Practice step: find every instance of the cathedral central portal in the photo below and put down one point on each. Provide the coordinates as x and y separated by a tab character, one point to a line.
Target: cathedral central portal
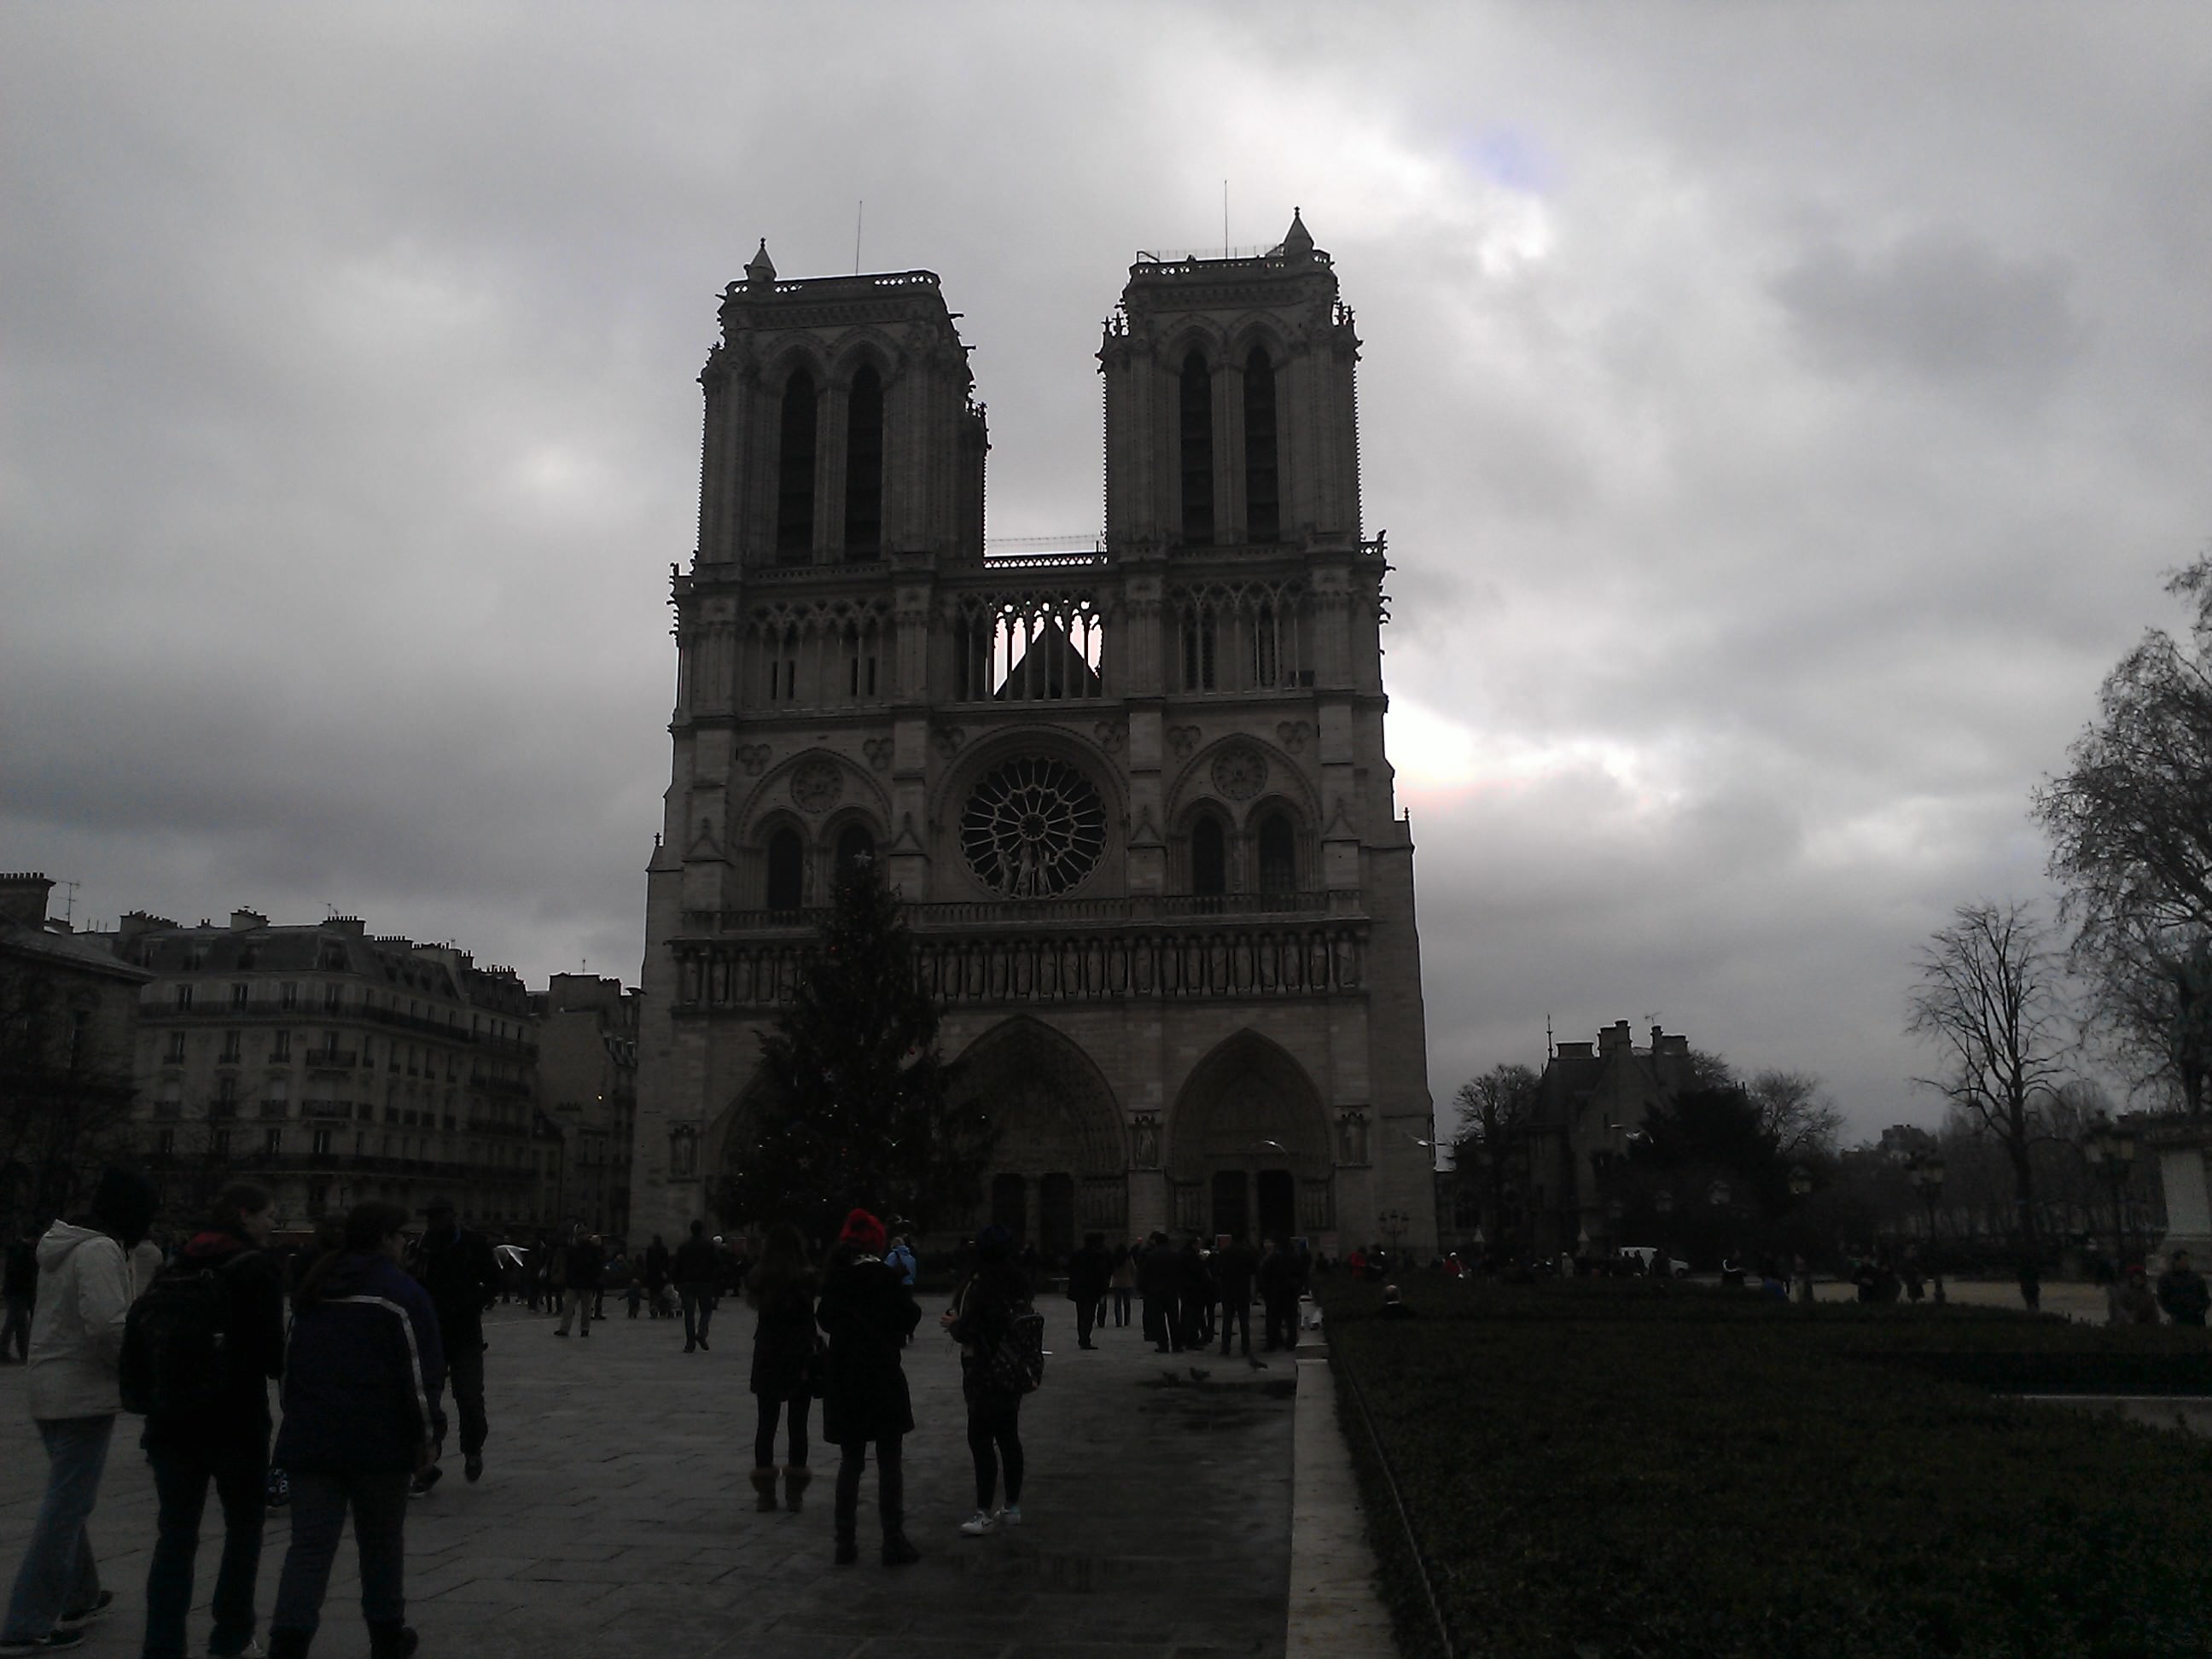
1133	795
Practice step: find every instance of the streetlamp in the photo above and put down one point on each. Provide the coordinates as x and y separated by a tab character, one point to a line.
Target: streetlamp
1927	1178
2113	1151
1393	1223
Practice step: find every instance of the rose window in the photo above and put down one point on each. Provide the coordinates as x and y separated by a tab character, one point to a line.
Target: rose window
1033	827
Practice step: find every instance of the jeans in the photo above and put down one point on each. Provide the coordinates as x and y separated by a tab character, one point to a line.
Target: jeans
698	1302
576	1300
464	1376
1120	1307
17	1331
58	1574
239	1470
764	1433
890	1487
319	1513
994	1435
1086	1316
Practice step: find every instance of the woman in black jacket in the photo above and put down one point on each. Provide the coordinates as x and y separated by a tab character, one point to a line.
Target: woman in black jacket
783	1288
983	1315
868	1315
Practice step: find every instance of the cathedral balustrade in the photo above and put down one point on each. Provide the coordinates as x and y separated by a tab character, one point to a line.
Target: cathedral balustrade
996	914
1164	961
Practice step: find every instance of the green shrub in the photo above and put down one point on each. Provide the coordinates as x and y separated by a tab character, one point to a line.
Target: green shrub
1638	1470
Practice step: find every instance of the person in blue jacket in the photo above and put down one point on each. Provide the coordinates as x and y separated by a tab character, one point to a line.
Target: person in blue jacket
363	1386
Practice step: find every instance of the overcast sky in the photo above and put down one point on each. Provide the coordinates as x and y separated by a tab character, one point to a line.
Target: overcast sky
1783	417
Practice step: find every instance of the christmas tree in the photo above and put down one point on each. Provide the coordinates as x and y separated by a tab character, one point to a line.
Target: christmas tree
855	1111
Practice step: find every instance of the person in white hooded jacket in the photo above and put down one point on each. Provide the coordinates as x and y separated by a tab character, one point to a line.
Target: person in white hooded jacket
86	1286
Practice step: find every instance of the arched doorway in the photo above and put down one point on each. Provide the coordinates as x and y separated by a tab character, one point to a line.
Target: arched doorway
1059	1166
1249	1147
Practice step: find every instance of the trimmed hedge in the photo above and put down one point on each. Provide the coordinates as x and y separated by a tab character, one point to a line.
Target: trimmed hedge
1626	1470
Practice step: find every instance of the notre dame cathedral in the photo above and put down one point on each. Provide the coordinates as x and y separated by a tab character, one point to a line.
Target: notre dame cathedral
1134	796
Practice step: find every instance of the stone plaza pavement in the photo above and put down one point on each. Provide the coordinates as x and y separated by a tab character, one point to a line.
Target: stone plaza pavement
615	1517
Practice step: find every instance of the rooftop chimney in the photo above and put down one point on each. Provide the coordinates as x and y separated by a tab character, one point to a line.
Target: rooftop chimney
245	920
23	898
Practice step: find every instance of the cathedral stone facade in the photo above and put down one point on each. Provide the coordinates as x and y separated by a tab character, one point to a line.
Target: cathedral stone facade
1134	796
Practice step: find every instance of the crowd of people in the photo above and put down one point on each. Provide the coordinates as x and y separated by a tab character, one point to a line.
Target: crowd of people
367	1329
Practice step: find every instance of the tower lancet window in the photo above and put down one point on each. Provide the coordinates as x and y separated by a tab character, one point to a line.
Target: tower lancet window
786	870
1263	515
1197	451
794	494
1278	858
864	467
1209	858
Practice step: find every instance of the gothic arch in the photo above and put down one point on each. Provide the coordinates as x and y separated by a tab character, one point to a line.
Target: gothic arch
1286	781
1247	331
1059	1136
1248	1148
1194	335
869	347
772	795
798	355
950	800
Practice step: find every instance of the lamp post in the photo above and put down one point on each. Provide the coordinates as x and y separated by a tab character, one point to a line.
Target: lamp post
1927	1177
2112	1152
1393	1223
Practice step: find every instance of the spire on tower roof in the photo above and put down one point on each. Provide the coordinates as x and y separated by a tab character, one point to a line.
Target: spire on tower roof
1298	241
761	268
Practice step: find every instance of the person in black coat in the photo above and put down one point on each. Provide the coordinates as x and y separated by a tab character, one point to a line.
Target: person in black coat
457	1267
583	1263
226	1443
1196	1295
1280	1282
983	1314
657	1267
1234	1268
1160	1281
695	1267
1088	1270
363	1382
868	1315
783	1288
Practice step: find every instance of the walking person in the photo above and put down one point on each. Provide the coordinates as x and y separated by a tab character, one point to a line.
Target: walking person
364	1380
1280	1284
1194	1288
1088	1269
1120	1281
980	1321
695	1268
584	1261
77	1340
19	1284
782	1289
868	1315
457	1269
1159	1280
208	1423
656	1279
1235	1269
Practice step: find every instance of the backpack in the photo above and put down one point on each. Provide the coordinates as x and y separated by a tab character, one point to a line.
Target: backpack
1015	1362
901	1262
176	1343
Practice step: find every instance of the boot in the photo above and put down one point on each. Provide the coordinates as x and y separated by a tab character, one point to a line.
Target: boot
289	1643
899	1550
890	1499
391	1640
795	1479
849	1547
764	1488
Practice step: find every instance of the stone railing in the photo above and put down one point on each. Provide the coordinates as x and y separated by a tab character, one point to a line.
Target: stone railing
1040	914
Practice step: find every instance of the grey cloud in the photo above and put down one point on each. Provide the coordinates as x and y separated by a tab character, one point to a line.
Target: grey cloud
1939	305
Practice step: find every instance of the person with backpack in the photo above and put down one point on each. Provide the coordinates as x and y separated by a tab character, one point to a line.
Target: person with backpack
199	1351
868	1316
455	1266
1002	1358
364	1383
782	1289
76	1341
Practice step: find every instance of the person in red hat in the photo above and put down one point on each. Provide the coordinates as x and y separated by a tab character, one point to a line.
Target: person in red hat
868	1315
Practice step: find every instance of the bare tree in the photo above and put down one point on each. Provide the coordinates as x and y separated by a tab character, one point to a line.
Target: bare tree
1989	999
64	1109
1794	1110
2131	825
1493	1109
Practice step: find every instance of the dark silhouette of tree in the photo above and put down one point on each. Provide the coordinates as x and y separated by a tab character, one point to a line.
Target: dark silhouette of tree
854	1109
1494	1108
2130	826
64	1104
1990	999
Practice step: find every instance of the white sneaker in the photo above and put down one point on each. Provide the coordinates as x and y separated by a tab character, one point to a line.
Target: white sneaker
979	1523
1010	1515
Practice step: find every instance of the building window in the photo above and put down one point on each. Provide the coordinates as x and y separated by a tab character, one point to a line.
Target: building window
1197	451
184	999
226	1090
794	496
219	1143
854	844
272	1142
288	995
1209	858
783	667
786	870
238	996
1198	647
864	467
1263	514
1279	861
175	1054
165	1142
332	995
280	1047
229	1056
1265	656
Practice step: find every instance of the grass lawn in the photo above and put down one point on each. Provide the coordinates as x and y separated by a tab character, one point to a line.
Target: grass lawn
1627	1470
